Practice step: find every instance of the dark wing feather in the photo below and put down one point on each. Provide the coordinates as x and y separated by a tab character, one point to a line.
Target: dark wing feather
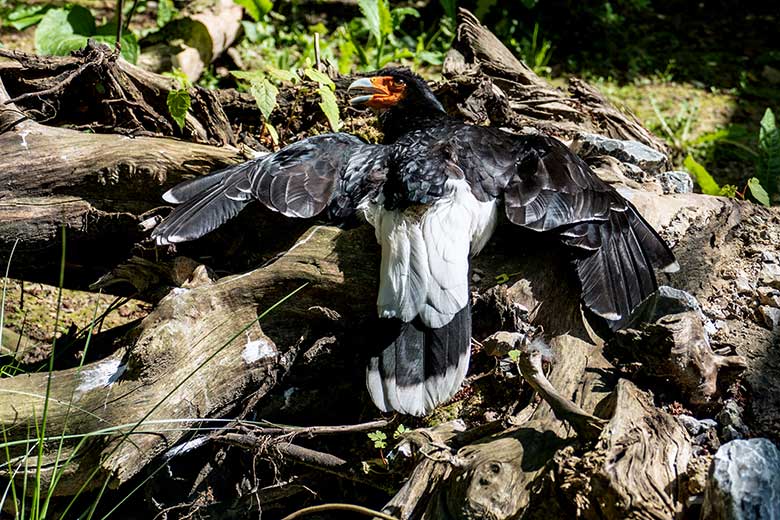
546	187
300	180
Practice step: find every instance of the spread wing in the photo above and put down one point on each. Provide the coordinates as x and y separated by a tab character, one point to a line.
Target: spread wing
546	187
329	171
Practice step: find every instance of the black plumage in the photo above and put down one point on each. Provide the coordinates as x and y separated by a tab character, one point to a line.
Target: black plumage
430	190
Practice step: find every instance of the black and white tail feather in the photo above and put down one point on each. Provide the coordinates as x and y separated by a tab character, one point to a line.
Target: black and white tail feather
439	207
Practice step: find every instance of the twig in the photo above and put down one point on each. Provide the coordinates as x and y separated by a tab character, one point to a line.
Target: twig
118	43
317	430
317	61
339	507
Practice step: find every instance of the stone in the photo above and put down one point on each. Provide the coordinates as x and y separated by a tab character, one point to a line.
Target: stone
770	275
768	296
744	482
743	284
675	181
631	152
696	426
770	315
673	301
730	419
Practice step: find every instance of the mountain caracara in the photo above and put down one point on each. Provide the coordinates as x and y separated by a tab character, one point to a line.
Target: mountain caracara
433	191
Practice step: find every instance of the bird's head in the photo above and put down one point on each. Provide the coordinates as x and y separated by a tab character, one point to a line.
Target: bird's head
394	90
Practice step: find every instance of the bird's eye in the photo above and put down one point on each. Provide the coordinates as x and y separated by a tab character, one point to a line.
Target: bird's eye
399	81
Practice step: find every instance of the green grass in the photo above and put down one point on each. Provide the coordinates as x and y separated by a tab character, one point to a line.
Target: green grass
34	500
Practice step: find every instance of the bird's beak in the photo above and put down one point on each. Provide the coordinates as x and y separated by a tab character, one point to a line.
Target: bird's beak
376	92
367	88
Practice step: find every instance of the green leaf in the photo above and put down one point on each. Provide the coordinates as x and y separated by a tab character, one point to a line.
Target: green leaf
758	192
379	438
264	93
181	78
399	13
280	74
701	175
728	190
514	355
378	18
256	8
400	431
319	77
769	151
23	16
178	104
165	12
330	107
64	30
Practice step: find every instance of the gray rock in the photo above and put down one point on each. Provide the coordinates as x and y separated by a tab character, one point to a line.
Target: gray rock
744	482
770	315
744	286
730	419
673	301
696	426
675	182
769	296
770	274
632	152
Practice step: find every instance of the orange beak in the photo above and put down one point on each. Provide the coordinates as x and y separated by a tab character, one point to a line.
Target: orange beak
376	92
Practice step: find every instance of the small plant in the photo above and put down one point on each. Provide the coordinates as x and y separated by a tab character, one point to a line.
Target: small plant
709	186
178	100
379	439
400	431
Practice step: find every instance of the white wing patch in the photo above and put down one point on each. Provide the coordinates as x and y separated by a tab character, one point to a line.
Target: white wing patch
425	254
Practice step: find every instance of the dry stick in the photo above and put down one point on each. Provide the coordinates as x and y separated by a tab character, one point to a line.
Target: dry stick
339	507
587	426
314	459
317	62
316	430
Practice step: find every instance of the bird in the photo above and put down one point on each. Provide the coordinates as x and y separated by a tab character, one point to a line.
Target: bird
434	190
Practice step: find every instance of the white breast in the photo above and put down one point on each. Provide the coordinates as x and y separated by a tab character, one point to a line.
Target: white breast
425	254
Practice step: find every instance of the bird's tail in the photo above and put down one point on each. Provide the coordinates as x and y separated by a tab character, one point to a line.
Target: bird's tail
420	368
617	275
205	203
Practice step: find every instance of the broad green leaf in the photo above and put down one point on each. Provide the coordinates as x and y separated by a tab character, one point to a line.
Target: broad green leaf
330	107
23	16
264	93
319	77
514	355
256	8
165	12
64	30
280	74
378	18
178	104
769	148
758	191
701	175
